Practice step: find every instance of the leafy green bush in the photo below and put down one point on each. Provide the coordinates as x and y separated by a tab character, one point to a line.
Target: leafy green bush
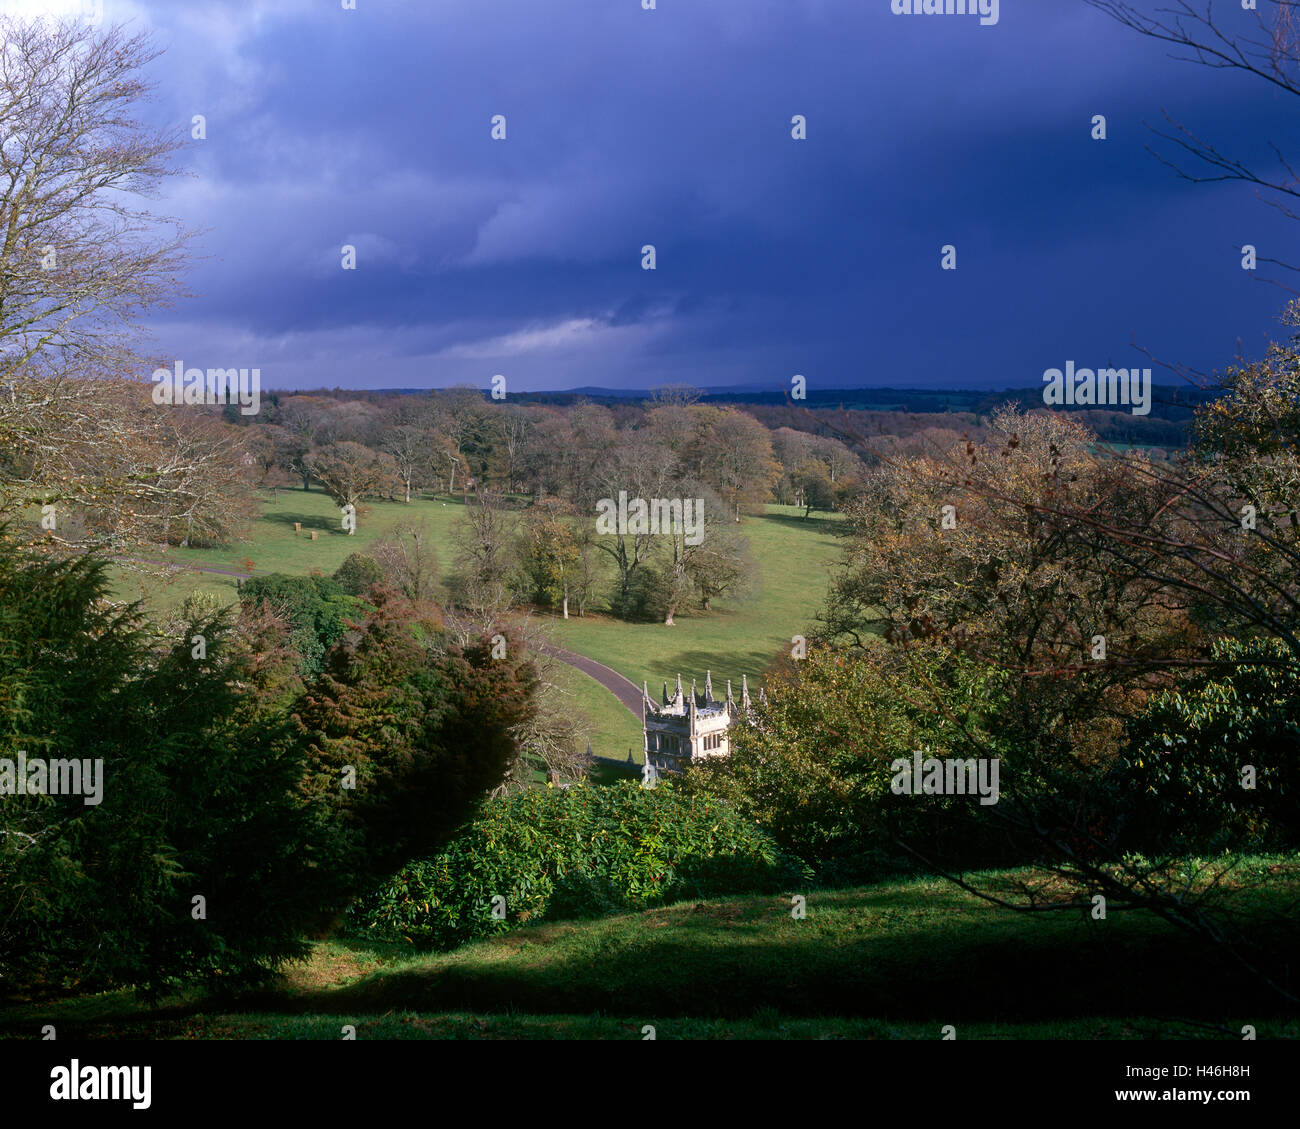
814	770
358	574
574	852
1182	769
317	610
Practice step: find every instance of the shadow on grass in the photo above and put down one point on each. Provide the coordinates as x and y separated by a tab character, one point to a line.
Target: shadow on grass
721	665
876	959
830	526
308	521
895	952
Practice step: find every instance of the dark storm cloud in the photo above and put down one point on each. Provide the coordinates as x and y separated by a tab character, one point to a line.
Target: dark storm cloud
672	127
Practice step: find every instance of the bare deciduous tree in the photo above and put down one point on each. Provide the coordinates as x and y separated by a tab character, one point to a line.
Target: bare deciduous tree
81	259
409	448
1265	44
349	472
408	561
485	539
642	469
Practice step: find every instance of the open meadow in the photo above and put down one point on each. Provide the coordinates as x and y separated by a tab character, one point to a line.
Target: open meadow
793	555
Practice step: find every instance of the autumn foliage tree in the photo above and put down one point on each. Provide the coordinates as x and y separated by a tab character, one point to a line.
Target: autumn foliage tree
350	472
1096	584
550	556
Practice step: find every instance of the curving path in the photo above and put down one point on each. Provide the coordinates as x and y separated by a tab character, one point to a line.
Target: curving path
626	691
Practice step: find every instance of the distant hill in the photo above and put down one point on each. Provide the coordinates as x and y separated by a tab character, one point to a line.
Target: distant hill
896	411
1169	401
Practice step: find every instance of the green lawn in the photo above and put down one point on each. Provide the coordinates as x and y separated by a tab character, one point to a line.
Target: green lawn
274	546
897	960
794	559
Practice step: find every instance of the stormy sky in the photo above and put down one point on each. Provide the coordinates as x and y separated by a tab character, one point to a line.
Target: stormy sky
625	127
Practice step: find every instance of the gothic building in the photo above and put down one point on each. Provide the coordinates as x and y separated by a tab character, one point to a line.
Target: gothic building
682	729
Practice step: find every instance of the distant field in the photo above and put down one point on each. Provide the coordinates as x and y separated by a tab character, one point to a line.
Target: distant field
794	558
273	546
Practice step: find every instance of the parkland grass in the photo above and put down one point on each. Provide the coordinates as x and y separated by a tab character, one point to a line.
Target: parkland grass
793	556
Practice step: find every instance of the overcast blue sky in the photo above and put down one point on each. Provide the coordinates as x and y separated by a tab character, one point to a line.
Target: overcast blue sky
672	127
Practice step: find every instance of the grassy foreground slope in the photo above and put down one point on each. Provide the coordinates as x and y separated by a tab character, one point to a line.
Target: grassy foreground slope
898	960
